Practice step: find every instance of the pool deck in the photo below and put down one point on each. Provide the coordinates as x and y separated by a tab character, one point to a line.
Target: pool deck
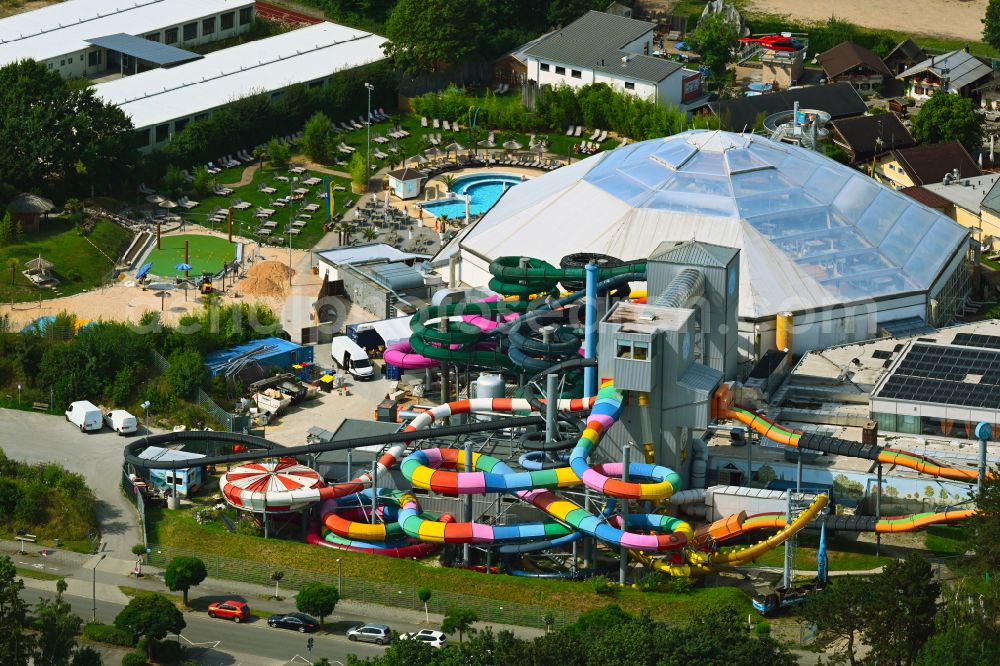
437	184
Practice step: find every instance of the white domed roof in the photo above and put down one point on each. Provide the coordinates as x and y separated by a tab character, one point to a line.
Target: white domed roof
812	232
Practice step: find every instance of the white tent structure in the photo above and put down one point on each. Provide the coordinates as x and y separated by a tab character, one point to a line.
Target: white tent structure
818	239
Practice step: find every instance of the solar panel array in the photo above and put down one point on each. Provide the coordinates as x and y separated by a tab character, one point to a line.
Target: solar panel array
977	340
946	375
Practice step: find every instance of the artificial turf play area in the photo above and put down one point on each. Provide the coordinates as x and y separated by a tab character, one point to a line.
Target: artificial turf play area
204	254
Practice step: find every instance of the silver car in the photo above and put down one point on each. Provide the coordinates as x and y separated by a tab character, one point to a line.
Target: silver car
370	633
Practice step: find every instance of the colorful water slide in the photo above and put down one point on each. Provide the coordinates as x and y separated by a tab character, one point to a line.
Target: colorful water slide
523	276
791	437
431	470
892	524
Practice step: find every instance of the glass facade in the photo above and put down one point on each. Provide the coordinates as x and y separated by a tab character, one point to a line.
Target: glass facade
929	425
854	237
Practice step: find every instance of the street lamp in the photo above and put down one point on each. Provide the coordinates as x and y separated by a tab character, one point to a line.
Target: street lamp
368	160
291	220
340	577
18	396
145	407
94	582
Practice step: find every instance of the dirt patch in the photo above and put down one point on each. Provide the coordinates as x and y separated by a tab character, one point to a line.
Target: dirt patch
957	19
11	7
269	279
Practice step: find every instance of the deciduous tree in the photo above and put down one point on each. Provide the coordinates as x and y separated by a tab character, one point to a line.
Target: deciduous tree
16	647
429	35
317	599
984	525
715	39
184	572
460	620
57	629
903	606
318	138
991	24
839	613
150	616
947	117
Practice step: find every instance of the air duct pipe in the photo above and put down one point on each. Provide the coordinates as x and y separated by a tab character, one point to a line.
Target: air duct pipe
699	462
684	290
590	332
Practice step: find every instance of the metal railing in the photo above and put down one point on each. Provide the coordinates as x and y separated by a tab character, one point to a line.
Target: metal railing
399	595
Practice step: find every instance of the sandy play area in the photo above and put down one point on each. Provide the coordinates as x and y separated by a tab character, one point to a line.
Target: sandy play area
266	281
958	19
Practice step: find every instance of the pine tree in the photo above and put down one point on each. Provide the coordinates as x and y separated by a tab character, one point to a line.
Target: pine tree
6	230
19	231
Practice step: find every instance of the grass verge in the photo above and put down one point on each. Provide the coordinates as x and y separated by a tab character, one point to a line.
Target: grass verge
37	575
945	540
179	530
843	555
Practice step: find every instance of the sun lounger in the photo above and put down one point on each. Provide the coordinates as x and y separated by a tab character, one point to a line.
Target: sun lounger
436	123
187	203
356	124
145	190
569	130
446	125
596	134
212	169
423	121
456	127
578	131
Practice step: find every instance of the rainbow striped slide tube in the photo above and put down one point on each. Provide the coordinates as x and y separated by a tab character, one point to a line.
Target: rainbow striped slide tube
605	412
423	470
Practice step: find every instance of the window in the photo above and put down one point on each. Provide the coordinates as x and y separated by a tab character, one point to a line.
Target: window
629	85
576	74
50	65
62	63
142	138
181	124
208	26
560	70
92	58
227	21
162	132
170	36
201	116
246	15
153	36
316	84
544	66
636	350
190	32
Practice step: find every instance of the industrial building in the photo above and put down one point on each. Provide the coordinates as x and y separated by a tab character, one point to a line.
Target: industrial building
842	254
162	102
70	37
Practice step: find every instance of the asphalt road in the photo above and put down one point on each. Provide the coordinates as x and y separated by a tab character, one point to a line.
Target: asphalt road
38	438
221	643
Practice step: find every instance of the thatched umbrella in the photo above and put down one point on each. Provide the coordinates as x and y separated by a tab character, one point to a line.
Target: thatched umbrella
433	151
419	159
30	204
512	145
454	146
155	199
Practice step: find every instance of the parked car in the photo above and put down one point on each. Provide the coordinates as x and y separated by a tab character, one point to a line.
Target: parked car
121	422
370	633
85	415
299	622
433	638
237	611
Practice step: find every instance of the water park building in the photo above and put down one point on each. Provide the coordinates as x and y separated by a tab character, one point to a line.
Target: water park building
162	102
604	48
68	37
820	243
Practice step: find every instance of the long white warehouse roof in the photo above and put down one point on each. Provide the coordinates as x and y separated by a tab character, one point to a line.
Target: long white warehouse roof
65	27
303	55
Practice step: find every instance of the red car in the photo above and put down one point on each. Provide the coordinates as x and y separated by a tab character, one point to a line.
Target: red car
237	611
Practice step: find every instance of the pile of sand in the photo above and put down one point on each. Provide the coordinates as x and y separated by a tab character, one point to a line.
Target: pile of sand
268	279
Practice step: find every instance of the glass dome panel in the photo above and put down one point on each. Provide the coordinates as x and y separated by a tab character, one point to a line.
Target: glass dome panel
706	163
798	170
775	202
740	159
901	240
697	183
826	183
674	153
694	203
927	258
882	213
856	196
652	175
757	182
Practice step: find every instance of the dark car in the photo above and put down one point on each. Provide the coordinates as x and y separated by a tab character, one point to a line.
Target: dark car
299	622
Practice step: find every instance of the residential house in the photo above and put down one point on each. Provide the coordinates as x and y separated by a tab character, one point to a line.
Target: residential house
988	92
922	165
848	62
957	72
972	202
904	56
619	9
840	100
603	48
864	137
929	199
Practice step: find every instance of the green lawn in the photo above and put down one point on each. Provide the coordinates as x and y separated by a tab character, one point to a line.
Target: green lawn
179	529
205	254
245	224
946	540
81	263
843	555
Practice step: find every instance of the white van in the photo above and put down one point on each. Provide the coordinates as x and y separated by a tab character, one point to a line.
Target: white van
121	422
85	415
349	355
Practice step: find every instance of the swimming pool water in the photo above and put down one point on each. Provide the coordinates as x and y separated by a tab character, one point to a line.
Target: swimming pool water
484	188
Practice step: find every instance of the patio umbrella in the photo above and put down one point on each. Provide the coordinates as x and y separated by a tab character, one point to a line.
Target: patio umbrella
419	159
512	145
486	143
433	151
166	203
183	267
454	146
155	199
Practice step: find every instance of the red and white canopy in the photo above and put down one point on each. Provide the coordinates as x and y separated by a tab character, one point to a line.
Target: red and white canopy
273	486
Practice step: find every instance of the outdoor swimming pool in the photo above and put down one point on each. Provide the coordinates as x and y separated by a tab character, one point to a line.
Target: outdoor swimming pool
484	188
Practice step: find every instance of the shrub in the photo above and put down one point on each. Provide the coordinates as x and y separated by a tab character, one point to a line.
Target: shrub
358	170
247	526
762	629
107	633
168	652
134	659
604	587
